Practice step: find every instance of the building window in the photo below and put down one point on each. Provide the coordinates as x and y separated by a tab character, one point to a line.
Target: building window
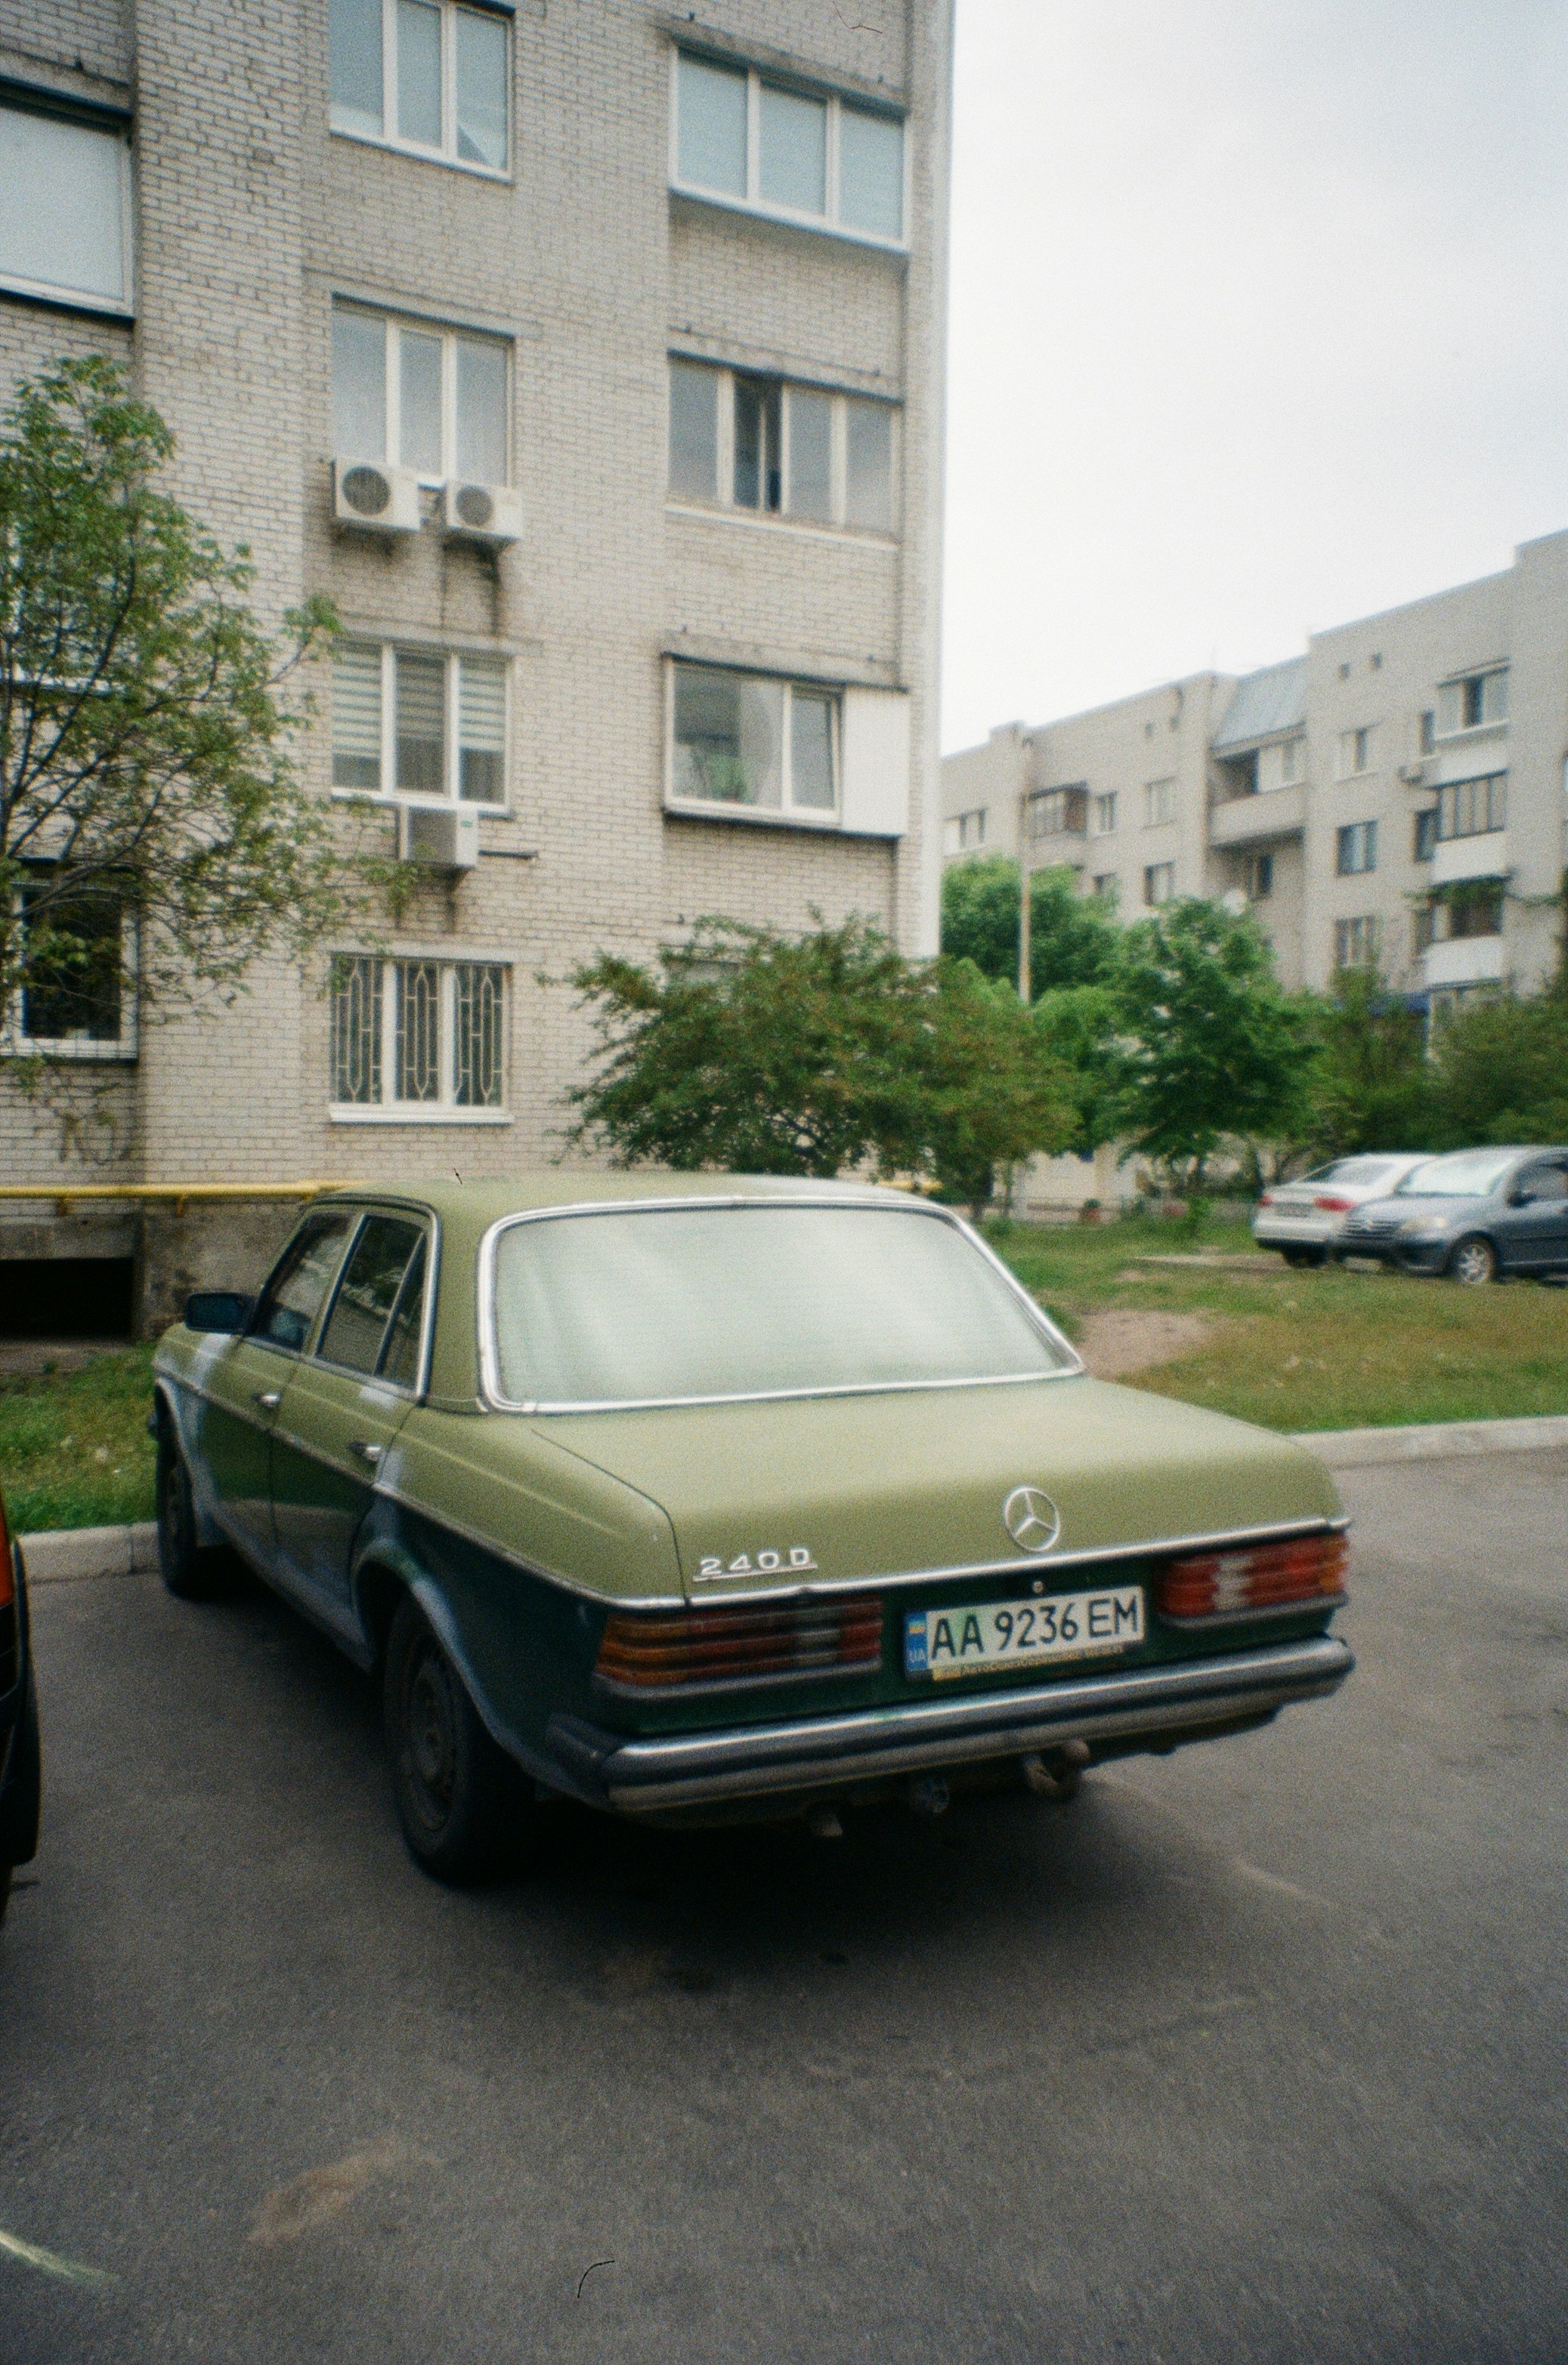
1159	884
418	723
1473	808
780	450
65	209
1057	813
1356	848
422	74
1428	733
1103	813
75	942
1282	765
418	1037
754	741
1260	877
807	157
1472	700
1425	838
1357	943
1107	886
1356	749
1159	804
413	396
964	833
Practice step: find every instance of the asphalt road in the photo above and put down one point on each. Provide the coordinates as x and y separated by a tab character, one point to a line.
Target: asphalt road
1253	2053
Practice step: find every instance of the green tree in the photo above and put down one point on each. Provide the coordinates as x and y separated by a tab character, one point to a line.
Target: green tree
146	772
990	1087
1371	1084
1074	939
1213	1047
1499	1072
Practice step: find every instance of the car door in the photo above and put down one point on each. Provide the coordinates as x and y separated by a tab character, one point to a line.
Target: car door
1534	1229
344	1404
242	1381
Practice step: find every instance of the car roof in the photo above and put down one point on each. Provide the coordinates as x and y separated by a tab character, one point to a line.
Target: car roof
485	1200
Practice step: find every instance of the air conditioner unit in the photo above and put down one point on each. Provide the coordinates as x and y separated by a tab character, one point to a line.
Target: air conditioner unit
376	499
489	513
440	838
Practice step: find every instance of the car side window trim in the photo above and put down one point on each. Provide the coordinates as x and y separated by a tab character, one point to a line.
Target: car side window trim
430	1228
316	1218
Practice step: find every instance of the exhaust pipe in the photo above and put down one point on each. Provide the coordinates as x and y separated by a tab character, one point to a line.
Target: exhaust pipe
1055	1773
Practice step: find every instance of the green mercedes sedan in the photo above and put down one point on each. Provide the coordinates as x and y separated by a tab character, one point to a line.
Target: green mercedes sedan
702	1496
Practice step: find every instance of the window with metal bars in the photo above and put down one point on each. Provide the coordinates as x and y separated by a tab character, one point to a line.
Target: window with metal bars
416	1037
424	723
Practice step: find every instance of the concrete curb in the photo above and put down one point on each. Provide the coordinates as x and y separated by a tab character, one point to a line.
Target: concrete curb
61	1555
1363	1449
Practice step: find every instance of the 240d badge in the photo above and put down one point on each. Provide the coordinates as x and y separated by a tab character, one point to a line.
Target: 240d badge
796	1561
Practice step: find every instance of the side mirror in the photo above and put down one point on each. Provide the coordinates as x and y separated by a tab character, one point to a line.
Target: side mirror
1523	1198
217	1309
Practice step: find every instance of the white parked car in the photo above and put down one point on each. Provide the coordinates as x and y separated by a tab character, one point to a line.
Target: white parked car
1304	1219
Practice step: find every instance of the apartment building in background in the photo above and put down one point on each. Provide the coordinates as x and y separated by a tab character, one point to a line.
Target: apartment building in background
589	358
1392	799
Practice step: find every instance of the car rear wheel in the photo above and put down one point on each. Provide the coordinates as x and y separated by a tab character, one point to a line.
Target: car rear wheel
192	1571
1473	1260
1299	1259
460	1802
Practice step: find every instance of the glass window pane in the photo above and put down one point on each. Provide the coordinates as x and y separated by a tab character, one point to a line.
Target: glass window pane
72	991
359	385
482	730
419	72
356	1031
710	146
417	1066
739	1301
368	1290
792	159
356	717
728	734
61	200
871	173
810	454
400	1357
482	411
300	1280
869	466
354	36
810	750
419	688
479	992
419	389
694	431
758	476
482	90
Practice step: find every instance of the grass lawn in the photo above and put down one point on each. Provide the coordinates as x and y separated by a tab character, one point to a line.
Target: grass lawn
1328	1349
1324	1350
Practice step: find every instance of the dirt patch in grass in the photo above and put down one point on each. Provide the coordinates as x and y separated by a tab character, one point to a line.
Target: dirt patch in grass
75	1451
1126	1339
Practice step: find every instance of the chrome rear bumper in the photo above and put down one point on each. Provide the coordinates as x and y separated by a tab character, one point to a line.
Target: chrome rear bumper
830	1752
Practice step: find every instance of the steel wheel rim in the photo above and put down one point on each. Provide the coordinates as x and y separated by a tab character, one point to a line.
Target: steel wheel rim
431	1737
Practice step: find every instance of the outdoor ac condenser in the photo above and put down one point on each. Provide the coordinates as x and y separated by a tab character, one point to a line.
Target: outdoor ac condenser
442	837
375	499
489	513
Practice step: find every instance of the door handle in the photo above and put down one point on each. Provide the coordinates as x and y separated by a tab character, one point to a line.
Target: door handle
269	1399
365	1447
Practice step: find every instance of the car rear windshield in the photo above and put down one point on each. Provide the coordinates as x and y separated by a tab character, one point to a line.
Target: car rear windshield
1357	1170
1467	1175
655	1306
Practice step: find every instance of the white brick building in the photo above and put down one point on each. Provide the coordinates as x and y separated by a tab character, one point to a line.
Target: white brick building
668	289
1395	797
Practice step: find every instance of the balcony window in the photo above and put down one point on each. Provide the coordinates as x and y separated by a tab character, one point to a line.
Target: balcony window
1426	835
773	448
1260	877
803	156
424	75
1282	765
416	1037
1356	848
65	209
423	397
753	741
1473	808
1057	813
1472	700
419	724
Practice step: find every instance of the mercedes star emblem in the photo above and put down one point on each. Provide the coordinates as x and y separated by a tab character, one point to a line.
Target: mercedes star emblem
1031	1519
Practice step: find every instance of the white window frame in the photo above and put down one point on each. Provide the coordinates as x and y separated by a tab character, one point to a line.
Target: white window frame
1351	767
447	153
1153	871
786	814
389	794
1102	814
1369	924
723	500
826	223
1482	674
1357	841
110	125
1159	804
392	325
445	1110
16	1045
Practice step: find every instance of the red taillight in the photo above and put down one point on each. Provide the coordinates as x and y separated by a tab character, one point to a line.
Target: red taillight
7	1575
1331	1205
738	1645
1267	1200
1307	1569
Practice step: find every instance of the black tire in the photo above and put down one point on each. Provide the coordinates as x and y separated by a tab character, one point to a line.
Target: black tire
192	1571
1303	1259
20	1800
1472	1261
460	1802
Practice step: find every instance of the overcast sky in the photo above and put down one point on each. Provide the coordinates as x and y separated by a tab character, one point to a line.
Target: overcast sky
1259	322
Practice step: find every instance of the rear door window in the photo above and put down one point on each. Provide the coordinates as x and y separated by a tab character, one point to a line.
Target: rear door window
300	1280
370	1296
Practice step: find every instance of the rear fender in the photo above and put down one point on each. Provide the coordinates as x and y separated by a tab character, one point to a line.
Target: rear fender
388	1562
